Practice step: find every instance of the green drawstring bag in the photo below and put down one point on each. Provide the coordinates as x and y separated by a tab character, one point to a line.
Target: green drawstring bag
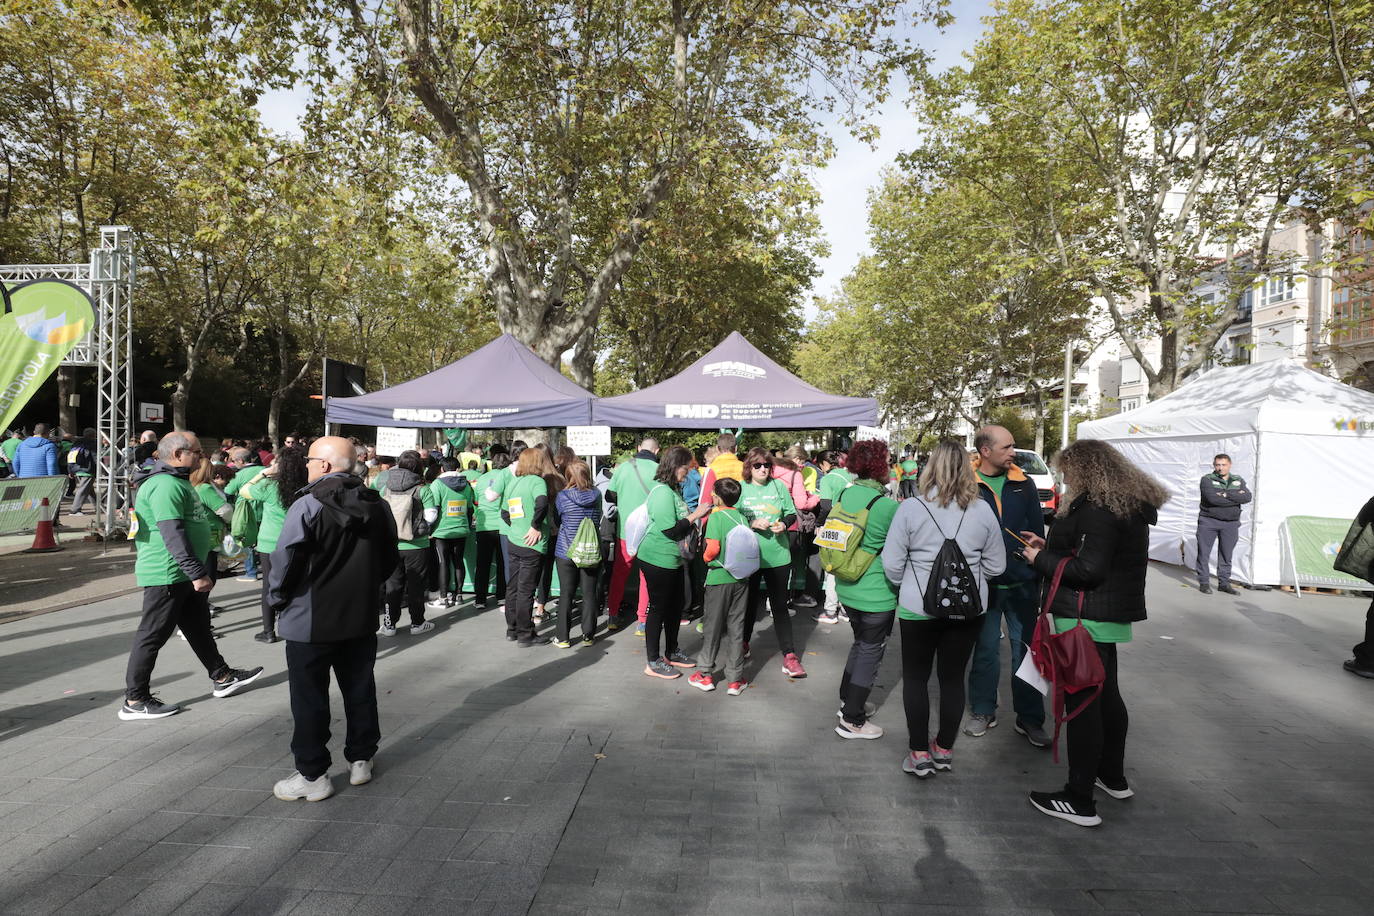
585	549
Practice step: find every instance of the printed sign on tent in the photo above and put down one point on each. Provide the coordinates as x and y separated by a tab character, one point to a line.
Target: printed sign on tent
872	432
392	440
42	320
590	440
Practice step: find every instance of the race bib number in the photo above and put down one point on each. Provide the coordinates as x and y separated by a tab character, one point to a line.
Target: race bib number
516	507
453	508
834	534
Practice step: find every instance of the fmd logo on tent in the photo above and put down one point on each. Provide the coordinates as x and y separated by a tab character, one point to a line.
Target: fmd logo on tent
691	411
1352	424
735	369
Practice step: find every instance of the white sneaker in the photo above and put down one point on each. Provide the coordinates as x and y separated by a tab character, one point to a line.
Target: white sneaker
422	627
296	787
359	772
849	730
387	628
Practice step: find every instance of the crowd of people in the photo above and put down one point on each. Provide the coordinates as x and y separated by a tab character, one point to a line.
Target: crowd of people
350	547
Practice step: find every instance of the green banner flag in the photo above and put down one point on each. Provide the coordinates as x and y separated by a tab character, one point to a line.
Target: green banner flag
1315	542
456	438
21	501
42	321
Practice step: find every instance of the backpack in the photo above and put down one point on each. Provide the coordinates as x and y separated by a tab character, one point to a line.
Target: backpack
637	525
243	524
408	513
951	591
739	552
839	540
585	549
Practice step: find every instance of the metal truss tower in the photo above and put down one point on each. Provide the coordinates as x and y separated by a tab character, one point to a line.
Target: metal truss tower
109	280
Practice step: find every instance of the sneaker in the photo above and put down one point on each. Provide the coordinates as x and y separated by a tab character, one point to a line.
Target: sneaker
639	629
436	602
360	772
1119	790
1067	808
1354	667
919	764
151	708
235	679
1035	734
1226	588
869	711
737	687
530	643
849	730
216	610
792	666
844	615
701	626
421	627
680	659
804	602
563	644
265	636
511	637
387	628
659	667
246	579
978	725
613	624
942	757
684	622
588	641
702	681
296	787
1204	588
746	651
828	616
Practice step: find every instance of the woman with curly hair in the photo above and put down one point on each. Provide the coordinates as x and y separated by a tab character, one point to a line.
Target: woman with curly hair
1102	534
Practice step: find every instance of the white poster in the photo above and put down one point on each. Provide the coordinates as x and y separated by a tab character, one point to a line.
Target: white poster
589	440
872	432
392	440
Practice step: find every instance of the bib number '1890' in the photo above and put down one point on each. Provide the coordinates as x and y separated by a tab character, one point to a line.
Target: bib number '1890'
834	534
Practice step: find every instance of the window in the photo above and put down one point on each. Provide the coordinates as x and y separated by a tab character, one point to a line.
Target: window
1247	305
1130	371
1274	290
1241	349
1352	296
1129	404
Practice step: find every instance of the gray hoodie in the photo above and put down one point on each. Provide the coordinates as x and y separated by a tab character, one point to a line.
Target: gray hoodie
914	540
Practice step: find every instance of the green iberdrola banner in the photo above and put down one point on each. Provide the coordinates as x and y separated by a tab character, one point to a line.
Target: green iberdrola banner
42	321
1315	542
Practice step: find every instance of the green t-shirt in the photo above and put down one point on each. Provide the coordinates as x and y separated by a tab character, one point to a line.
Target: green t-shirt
9	447
833	484
769	501
427	501
160	498
454	507
488	517
629	492
241	480
521	494
271	513
1099	630
719	524
994	483
872	592
666	507
213	500
379	482
908	468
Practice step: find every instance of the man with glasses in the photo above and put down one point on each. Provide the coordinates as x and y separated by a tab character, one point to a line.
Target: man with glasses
171	532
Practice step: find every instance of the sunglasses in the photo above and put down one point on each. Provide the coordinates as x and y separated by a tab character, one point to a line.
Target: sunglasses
762	465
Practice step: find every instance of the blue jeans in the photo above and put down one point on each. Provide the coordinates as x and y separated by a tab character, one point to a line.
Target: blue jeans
1017	607
250	563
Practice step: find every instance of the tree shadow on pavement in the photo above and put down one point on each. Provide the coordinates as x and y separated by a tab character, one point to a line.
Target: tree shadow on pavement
943	876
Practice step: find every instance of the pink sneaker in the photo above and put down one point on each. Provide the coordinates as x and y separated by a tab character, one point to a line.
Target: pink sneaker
792	666
702	681
737	687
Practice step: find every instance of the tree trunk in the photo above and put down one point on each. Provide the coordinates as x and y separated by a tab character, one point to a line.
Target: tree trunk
181	397
66	387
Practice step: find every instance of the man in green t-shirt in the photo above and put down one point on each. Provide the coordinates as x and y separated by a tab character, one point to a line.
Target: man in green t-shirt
629	487
171	532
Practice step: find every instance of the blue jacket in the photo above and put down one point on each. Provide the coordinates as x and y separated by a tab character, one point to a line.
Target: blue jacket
691	489
573	506
1019	510
35	457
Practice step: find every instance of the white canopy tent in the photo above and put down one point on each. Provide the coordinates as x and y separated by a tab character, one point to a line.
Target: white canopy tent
1304	443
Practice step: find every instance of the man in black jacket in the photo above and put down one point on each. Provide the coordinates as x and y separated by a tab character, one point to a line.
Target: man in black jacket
1013	596
1218	522
337	547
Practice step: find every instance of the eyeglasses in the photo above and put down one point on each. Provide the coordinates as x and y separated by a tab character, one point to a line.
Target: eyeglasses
764	464
312	458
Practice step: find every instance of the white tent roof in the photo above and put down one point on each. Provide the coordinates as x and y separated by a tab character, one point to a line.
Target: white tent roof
1275	396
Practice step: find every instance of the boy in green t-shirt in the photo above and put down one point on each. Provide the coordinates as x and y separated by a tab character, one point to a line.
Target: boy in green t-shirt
727	598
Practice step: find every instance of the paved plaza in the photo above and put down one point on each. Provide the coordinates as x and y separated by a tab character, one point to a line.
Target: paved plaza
565	782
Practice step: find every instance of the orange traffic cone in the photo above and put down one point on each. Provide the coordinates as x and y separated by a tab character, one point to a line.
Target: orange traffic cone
43	540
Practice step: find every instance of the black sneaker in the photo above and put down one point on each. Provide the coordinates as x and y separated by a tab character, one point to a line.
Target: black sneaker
1204	588
265	636
1354	667
1067	808
681	659
151	708
234	680
1226	588
530	643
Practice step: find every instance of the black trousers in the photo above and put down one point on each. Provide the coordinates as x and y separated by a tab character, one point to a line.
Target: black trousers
307	670
489	551
947	646
406	587
572	580
165	608
1224	536
1364	652
546	573
603	578
525	568
1097	735
871	630
448	565
775	580
269	619
665	608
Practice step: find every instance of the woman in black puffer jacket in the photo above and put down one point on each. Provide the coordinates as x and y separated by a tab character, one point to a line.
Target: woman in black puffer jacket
1104	530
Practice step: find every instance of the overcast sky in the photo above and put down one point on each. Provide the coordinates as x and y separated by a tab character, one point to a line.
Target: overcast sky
845	182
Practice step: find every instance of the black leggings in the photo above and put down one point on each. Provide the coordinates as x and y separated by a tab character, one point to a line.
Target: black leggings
776	580
448	564
489	550
269	619
947	645
571	580
665	608
1097	735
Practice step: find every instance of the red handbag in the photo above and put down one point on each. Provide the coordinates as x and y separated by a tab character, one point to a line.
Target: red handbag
1069	660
